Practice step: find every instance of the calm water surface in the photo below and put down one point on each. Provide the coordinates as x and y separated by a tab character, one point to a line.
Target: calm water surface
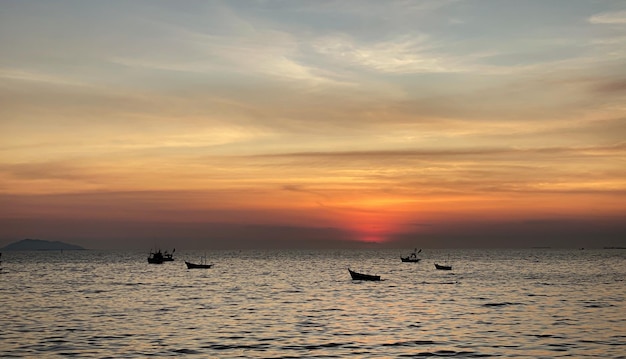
538	303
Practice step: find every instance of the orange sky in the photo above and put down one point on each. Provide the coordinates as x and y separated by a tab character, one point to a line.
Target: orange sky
438	124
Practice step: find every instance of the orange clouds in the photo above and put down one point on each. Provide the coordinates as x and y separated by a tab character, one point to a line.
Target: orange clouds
295	116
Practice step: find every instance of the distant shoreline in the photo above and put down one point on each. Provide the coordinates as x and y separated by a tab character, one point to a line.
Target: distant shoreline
41	245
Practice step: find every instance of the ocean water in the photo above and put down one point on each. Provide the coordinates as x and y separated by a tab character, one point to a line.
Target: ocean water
532	303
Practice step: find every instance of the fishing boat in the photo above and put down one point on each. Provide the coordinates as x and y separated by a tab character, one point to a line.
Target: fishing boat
156	257
201	265
412	258
443	267
361	276
168	257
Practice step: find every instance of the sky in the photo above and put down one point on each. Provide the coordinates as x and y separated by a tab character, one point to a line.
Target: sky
280	124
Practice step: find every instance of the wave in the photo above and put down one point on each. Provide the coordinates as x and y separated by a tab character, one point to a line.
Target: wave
501	304
451	354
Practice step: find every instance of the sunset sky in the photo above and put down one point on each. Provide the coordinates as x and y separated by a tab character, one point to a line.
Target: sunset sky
251	124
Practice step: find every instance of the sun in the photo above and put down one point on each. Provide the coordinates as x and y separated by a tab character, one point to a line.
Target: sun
373	217
374	225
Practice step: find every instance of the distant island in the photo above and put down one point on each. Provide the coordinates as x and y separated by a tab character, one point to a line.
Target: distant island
40	245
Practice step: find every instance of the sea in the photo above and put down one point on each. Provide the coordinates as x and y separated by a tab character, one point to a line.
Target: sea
513	303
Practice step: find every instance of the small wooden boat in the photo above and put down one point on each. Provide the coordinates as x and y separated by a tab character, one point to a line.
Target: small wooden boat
412	258
197	266
203	264
443	267
361	276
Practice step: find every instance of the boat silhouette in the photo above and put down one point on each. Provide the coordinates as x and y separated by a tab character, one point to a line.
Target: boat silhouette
361	276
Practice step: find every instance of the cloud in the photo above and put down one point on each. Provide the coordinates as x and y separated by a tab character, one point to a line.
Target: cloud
303	189
609	18
452	153
270	55
39	77
49	170
613	87
241	44
406	54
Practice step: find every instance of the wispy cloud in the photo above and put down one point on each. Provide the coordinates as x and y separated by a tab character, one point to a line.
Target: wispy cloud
409	54
40	77
609	18
617	86
617	148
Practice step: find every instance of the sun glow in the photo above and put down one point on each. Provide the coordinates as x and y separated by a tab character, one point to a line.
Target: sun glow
375	219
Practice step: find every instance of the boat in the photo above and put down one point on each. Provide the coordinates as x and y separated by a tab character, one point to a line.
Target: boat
361	276
168	257
197	266
412	258
443	267
156	257
202	264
